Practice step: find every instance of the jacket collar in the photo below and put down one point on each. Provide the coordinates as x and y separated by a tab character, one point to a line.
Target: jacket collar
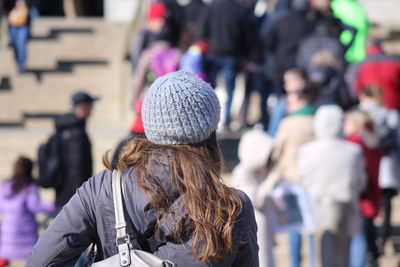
306	110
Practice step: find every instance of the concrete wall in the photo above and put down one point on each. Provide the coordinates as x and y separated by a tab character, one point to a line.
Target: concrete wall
385	12
119	10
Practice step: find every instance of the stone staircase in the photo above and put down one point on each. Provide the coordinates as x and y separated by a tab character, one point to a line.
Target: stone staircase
64	56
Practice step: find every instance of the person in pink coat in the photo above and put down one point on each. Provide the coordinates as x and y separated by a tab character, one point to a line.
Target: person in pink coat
19	203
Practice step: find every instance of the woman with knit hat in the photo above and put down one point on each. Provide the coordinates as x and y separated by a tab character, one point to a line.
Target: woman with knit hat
173	192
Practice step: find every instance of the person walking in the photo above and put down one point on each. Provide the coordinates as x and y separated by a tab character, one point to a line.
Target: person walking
386	136
378	69
159	58
18	28
281	36
174	195
19	203
333	174
225	25
357	128
294	131
253	176
76	150
256	79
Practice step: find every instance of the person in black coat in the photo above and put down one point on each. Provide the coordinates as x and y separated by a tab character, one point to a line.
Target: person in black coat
282	39
76	154
225	25
255	76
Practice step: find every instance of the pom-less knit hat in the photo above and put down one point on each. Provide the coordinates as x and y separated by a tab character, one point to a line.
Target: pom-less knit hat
180	108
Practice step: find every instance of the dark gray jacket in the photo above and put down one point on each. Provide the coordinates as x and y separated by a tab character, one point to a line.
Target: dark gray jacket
89	217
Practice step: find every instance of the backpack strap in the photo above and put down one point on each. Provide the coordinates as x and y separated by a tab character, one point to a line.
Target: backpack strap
122	240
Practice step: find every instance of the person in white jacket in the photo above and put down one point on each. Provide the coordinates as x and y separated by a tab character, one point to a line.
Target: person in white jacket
333	174
254	151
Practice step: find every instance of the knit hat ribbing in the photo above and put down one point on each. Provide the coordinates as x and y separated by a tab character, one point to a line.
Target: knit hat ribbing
180	108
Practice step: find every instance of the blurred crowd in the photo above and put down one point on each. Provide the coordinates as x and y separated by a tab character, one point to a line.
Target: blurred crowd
321	161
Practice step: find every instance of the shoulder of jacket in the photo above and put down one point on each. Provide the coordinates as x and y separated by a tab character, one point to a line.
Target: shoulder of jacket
353	147
99	182
290	120
245	200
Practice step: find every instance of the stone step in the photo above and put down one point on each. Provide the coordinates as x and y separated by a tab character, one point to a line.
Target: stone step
66	56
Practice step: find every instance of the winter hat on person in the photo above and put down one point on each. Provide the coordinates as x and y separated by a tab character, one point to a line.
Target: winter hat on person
156	10
328	121
180	108
255	148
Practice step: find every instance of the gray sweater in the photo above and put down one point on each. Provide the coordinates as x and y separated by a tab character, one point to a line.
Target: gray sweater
89	217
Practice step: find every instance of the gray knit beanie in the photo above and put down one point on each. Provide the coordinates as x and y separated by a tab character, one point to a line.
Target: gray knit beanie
180	108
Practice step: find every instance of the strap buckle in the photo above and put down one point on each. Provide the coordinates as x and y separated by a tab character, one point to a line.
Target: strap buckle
123	239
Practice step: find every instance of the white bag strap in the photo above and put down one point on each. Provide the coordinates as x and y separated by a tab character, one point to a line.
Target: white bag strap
122	240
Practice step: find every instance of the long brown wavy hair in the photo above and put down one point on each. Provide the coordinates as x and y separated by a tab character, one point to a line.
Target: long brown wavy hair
210	207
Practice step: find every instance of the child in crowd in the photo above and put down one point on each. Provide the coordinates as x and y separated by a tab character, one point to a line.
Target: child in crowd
193	59
158	58
156	14
355	125
19	203
249	175
294	131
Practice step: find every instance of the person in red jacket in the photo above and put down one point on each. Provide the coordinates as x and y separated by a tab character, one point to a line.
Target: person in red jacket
382	70
358	128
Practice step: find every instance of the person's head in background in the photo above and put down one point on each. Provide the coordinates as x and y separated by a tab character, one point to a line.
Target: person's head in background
82	104
356	122
294	79
254	151
156	17
324	67
302	97
321	6
371	93
328	122
373	46
22	173
20	4
324	58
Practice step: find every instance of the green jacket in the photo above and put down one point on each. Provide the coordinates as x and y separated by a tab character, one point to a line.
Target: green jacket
353	14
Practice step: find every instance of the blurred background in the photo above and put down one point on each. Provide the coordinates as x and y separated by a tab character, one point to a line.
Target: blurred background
86	45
